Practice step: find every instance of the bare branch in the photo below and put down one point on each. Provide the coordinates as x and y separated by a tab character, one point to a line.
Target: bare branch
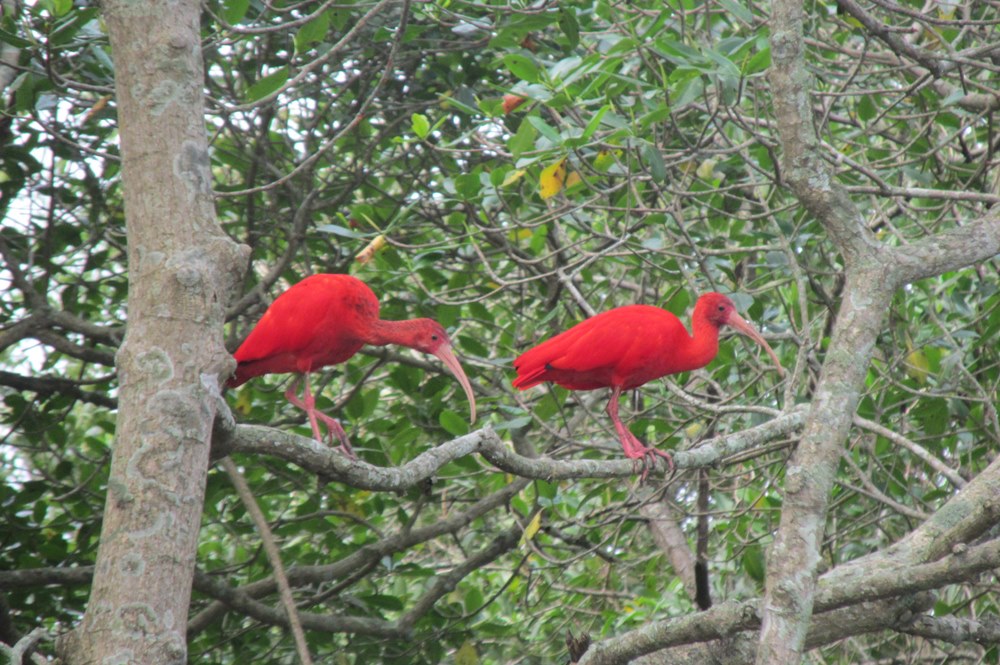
984	630
836	587
899	46
957	248
50	385
321	459
273	555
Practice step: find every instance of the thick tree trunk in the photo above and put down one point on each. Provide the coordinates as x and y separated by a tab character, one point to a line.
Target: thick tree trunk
181	270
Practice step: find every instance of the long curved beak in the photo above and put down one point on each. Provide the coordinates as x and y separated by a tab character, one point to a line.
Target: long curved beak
447	356
737	322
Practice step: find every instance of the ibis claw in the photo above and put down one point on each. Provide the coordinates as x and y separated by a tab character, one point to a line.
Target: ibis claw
335	429
648	458
645	456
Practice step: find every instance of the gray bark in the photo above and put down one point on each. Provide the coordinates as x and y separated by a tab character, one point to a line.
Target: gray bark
181	271
873	273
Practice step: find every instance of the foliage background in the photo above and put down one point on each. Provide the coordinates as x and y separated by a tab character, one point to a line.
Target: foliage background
332	123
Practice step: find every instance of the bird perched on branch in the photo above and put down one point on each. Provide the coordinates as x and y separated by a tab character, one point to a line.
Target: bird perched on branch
324	320
626	347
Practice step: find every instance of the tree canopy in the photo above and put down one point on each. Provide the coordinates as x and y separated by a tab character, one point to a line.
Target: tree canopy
509	169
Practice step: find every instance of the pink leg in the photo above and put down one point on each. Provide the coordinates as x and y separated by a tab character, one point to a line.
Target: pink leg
633	447
308	404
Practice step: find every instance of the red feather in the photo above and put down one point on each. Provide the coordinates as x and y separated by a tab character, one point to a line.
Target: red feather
626	347
324	320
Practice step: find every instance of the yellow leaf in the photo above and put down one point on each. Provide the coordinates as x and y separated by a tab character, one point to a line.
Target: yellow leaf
605	159
694	429
243	402
533	526
520	234
96	108
368	253
551	181
512	177
573	179
466	654
917	365
706	169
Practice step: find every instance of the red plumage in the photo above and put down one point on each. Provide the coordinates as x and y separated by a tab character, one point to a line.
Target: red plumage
324	320
626	347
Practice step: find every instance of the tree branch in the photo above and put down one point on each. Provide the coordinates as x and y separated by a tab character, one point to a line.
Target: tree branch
836	588
830	627
899	46
49	385
367	554
985	630
321	459
950	250
273	555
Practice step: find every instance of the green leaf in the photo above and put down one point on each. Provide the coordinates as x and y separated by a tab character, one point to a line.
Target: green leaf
523	140
513	423
761	61
738	10
420	124
234	11
753	562
61	7
268	85
473	599
468	186
453	423
866	108
654	159
341	231
569	26
545	129
594	122
312	32
383	601
14	40
522	67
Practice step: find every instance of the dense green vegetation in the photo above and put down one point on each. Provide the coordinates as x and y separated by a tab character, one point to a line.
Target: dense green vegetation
651	126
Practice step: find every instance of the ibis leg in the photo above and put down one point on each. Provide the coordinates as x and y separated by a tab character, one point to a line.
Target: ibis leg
633	447
308	404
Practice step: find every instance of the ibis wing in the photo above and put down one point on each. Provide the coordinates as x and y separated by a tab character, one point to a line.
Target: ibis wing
612	348
313	323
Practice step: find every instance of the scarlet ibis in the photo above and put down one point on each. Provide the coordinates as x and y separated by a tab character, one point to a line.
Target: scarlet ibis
324	320
628	346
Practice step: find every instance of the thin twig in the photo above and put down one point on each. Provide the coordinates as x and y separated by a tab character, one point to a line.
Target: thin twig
271	548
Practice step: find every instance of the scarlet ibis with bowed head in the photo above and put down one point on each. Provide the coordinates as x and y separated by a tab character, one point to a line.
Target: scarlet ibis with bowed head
626	347
324	320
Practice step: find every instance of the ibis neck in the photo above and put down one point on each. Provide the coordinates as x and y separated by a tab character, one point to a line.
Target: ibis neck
390	332
704	344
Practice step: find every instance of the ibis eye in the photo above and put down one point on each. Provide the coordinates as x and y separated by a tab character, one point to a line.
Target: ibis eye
434	338
722	308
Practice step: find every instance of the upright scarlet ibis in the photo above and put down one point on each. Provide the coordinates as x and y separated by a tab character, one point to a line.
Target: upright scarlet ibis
626	347
324	320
